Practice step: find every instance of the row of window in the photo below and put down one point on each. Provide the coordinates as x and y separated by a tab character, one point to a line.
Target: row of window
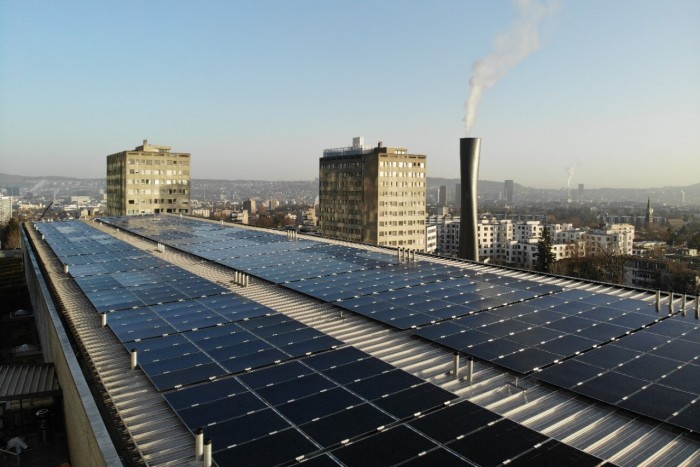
393	233
387	183
158	172
156	211
401	164
156	181
404	194
395	203
158	162
402	213
401	223
167	191
410	241
402	174
341	165
158	201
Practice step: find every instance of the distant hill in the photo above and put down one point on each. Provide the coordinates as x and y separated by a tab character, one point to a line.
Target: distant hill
488	189
659	195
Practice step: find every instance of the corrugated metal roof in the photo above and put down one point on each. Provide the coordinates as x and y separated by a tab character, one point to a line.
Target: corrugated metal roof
25	381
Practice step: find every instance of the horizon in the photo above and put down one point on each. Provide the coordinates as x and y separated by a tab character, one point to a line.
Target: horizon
592	92
456	180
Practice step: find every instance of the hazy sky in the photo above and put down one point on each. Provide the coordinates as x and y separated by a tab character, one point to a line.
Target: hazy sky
257	89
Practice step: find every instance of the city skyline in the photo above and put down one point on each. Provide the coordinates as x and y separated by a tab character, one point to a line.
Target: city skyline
613	87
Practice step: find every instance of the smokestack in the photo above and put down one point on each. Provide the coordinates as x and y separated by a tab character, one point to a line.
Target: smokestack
469	149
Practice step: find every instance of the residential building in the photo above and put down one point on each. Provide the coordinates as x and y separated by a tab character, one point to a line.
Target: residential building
251	206
614	239
5	209
240	217
510	243
373	195
508	191
442	196
430	238
148	180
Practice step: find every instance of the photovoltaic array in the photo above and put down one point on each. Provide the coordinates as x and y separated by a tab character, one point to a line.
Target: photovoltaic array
268	389
614	347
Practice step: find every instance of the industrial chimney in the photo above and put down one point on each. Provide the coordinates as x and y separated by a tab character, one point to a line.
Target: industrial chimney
469	149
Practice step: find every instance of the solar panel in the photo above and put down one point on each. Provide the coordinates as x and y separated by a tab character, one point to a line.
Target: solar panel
555	453
386	448
414	400
290	390
276	448
245	428
203	393
219	410
597	344
455	420
497	443
317	405
346	424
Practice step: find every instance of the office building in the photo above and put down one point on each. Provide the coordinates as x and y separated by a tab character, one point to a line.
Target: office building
289	350
373	195
442	196
148	180
508	191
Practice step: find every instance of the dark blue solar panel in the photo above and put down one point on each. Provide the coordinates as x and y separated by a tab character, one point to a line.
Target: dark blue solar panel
202	393
245	428
497	443
519	324
220	410
455	420
346	424
277	448
386	448
414	400
318	405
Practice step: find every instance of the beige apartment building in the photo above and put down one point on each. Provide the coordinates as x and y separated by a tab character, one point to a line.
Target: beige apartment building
148	180
373	195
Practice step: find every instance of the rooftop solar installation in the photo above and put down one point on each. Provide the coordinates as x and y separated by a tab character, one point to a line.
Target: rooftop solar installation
268	389
614	349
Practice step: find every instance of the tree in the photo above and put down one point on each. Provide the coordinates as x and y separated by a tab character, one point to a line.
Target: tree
545	257
10	235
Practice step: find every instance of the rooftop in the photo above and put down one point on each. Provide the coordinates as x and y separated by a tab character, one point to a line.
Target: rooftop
345	352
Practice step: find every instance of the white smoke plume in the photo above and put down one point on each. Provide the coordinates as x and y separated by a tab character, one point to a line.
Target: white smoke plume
570	171
510	48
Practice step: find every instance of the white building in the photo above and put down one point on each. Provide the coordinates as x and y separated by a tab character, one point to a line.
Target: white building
431	233
614	239
515	243
240	217
5	209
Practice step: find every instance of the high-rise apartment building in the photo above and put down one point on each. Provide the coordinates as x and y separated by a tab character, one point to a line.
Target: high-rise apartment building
509	191
148	180
442	196
373	195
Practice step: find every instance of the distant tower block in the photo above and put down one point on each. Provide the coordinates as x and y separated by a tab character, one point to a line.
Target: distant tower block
442	196
469	149
508	190
580	190
458	194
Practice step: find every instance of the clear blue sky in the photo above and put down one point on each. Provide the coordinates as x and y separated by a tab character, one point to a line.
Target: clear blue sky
257	89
